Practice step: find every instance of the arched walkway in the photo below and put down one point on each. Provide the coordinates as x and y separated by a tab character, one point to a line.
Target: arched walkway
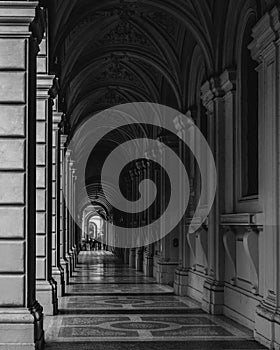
111	306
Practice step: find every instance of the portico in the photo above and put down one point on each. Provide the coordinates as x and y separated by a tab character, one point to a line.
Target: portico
61	64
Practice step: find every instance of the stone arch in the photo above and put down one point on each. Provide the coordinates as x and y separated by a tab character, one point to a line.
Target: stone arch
237	16
196	77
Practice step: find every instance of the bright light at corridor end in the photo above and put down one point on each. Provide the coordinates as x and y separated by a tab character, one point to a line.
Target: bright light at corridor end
170	122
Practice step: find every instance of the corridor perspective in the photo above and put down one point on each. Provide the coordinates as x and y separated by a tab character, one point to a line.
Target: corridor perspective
111	306
139	174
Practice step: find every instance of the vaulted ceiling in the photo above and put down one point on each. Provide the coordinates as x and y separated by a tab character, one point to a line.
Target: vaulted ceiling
110	52
116	51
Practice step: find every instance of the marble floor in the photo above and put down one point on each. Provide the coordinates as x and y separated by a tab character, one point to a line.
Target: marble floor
110	306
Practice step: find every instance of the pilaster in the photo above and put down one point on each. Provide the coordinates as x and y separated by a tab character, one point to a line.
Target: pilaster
181	272
132	257
46	287
21	318
148	261
213	294
139	259
64	262
265	49
57	270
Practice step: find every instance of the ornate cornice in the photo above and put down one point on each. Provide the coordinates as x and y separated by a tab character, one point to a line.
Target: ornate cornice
265	32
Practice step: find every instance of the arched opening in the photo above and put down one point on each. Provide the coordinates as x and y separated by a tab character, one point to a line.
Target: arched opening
249	118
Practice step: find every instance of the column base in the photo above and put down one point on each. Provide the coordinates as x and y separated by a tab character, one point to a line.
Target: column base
46	292
69	259
181	279
58	276
213	297
165	272
148	266
75	255
65	266
267	326
22	329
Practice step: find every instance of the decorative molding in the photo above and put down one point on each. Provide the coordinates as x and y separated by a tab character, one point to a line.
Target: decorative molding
229	239
191	239
242	219
19	14
249	235
111	97
265	32
251	247
228	80
115	69
125	33
202	238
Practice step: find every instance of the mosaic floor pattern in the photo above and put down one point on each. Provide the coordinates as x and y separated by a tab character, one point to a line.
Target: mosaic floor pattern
109	306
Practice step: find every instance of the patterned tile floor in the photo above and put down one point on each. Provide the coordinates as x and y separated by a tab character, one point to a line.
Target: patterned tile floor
109	306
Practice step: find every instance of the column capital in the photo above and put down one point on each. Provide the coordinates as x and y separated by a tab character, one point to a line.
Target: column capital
210	91
44	83
68	154
207	95
57	119
72	162
63	139
228	80
265	32
16	17
182	124
73	170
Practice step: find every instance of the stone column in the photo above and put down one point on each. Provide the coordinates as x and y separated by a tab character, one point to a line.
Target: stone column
168	261
21	320
213	293
132	256
139	259
45	284
73	216
148	250
125	256
181	272
132	251
139	174
57	270
70	213
67	203
148	257
62	207
265	49
228	85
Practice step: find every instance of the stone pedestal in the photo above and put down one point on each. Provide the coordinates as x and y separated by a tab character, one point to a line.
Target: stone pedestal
165	272
181	282
213	297
148	265
21	318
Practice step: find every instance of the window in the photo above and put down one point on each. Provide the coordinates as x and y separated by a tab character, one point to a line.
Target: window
249	120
